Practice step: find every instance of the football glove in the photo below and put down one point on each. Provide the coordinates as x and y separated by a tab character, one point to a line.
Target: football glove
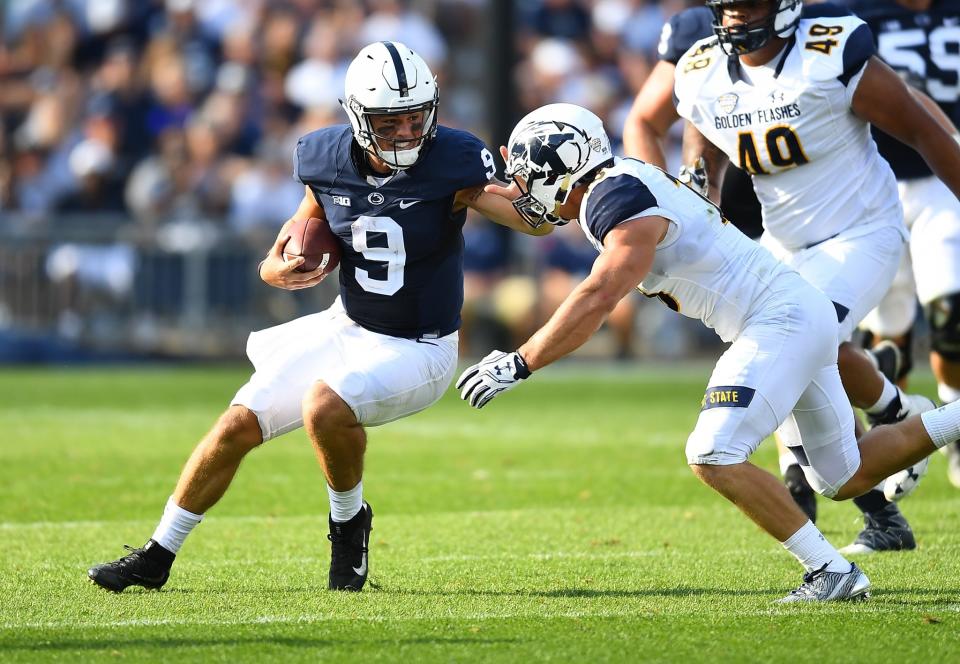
695	176
493	375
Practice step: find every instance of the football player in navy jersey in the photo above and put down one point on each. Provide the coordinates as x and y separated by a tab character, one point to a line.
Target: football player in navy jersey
394	187
920	40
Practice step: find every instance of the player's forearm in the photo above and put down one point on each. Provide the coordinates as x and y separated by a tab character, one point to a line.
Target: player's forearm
571	325
501	211
942	153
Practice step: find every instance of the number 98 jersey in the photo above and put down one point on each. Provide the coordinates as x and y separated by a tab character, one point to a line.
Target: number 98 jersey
814	164
401	269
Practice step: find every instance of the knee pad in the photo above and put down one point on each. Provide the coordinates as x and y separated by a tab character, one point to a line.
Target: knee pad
943	314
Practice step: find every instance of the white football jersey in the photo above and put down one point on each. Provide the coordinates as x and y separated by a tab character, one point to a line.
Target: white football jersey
815	166
704	267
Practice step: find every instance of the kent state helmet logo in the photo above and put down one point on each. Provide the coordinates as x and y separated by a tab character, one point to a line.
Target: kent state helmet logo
727	102
375	198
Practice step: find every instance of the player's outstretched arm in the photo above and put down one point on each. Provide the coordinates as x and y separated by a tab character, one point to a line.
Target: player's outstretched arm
281	273
494	201
884	100
651	116
627	256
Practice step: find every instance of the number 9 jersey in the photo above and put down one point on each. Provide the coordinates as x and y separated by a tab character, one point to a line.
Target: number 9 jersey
789	123
401	272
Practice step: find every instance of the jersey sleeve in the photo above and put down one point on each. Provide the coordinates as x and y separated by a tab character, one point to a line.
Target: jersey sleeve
835	48
859	48
682	31
476	164
691	71
316	152
615	200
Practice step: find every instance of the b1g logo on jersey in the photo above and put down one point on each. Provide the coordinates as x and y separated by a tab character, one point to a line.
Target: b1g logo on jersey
341	200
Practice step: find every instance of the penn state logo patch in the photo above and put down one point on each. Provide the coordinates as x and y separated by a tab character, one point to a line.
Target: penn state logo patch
726	103
375	198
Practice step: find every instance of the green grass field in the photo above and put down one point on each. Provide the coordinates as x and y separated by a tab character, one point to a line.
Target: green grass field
560	523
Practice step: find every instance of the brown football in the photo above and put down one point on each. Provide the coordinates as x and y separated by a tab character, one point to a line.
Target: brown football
313	239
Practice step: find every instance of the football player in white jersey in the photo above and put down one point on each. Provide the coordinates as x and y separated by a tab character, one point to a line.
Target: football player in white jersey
791	100
653	231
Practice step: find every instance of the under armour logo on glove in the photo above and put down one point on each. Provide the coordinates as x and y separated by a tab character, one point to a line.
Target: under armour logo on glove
494	374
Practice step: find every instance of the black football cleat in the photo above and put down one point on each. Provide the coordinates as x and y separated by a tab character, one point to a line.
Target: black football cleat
349	542
148	567
883	530
801	491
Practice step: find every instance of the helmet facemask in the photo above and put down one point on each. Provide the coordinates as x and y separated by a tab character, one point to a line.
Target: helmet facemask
780	21
398	153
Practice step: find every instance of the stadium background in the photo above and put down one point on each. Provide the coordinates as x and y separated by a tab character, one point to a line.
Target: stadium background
145	161
145	166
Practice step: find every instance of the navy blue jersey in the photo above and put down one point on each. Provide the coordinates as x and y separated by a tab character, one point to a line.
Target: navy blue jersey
924	48
401	272
691	25
682	31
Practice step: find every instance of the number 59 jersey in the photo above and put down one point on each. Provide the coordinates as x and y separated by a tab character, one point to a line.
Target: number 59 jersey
815	166
401	269
704	267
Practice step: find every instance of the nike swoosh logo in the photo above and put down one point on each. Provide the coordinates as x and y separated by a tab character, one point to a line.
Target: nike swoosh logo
405	204
362	570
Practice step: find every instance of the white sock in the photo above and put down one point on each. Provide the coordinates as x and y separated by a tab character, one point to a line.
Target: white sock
889	392
344	505
786	460
943	424
813	550
948	394
175	524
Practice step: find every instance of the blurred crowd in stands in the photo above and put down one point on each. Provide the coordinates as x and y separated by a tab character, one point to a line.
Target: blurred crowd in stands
184	113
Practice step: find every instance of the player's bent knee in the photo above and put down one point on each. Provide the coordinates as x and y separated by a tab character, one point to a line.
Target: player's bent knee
239	428
324	409
943	314
708	451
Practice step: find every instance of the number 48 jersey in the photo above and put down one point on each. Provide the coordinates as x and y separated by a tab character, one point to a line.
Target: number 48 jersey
815	167
401	270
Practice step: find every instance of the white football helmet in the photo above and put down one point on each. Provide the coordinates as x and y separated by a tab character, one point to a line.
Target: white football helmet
387	78
552	149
